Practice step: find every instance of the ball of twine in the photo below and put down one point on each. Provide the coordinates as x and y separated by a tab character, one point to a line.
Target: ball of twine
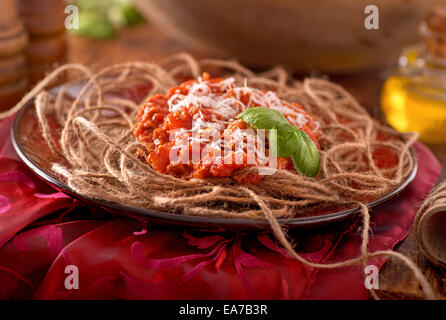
96	144
429	226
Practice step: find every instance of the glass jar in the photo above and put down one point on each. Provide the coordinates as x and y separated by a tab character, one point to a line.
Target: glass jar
414	98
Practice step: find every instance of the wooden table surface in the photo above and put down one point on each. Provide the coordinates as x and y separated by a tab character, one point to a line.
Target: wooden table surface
145	43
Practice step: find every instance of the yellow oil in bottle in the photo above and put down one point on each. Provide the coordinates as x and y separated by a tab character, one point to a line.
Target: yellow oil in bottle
410	105
414	98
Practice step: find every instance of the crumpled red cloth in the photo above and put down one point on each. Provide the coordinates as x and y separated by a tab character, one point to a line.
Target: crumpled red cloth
43	231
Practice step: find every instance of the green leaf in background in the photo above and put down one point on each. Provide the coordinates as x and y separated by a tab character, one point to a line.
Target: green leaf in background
132	16
291	141
102	18
94	26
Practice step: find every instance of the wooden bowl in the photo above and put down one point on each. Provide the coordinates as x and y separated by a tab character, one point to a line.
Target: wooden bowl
324	35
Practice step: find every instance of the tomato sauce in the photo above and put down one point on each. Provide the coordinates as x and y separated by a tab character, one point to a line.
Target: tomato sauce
193	130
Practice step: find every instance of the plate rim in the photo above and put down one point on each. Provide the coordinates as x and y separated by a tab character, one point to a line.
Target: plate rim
191	220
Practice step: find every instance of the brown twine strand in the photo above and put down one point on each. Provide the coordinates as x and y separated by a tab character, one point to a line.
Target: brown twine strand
98	147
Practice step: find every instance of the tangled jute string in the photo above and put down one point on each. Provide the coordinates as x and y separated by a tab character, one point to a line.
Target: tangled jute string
96	144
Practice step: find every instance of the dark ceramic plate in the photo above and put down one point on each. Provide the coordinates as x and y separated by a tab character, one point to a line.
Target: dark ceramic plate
34	152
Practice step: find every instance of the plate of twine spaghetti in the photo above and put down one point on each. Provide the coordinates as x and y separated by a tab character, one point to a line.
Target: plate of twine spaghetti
122	138
106	137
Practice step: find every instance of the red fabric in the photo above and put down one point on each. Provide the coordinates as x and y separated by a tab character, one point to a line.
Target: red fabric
43	231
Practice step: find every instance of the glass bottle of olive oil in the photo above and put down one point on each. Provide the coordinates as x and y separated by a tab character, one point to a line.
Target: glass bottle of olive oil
414	98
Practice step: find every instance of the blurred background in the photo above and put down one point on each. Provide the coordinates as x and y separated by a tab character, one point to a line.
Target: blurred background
395	71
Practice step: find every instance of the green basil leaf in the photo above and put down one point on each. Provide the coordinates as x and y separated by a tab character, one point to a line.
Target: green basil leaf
286	141
291	141
263	118
306	158
273	143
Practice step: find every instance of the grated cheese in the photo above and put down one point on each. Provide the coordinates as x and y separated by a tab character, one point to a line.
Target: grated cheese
227	104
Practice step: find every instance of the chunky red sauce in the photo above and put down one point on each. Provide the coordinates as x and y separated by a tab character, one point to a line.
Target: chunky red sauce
196	121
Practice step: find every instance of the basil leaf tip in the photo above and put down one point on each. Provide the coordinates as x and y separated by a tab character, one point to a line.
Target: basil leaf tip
291	141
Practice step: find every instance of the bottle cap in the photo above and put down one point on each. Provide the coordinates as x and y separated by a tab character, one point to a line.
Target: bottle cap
435	33
436	20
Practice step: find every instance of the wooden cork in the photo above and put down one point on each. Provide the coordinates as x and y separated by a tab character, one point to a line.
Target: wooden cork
13	40
436	20
435	42
430	226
